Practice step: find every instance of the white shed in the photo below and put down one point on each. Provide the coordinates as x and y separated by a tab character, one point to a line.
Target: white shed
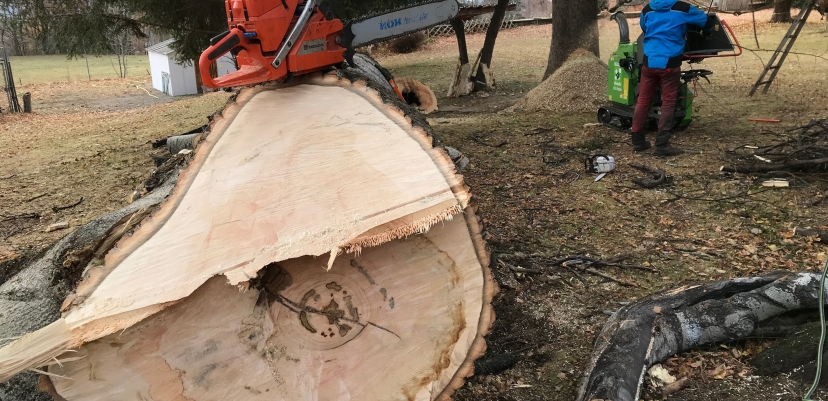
176	79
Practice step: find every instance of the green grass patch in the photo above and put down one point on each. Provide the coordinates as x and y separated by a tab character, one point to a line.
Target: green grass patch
58	68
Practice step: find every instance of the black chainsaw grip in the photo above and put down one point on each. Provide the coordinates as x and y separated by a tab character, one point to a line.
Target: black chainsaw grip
225	45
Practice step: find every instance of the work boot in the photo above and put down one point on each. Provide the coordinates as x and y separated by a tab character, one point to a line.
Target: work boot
639	141
662	145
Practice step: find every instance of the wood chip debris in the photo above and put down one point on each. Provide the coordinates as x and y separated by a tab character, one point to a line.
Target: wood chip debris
57	226
776	184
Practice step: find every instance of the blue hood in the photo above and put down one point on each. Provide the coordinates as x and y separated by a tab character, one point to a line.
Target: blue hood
664	23
662	5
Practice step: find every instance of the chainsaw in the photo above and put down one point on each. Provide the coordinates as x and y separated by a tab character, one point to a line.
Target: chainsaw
275	40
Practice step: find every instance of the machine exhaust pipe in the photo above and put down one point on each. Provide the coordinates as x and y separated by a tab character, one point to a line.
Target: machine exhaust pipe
623	27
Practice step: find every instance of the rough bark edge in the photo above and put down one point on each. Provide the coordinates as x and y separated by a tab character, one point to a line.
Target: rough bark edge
441	158
58	337
487	313
654	328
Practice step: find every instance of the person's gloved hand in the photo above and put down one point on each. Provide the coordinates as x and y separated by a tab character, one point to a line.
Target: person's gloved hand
708	30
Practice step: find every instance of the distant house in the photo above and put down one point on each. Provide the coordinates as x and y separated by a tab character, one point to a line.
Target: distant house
180	79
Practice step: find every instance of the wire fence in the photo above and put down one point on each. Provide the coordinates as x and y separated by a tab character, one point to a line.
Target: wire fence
479	24
8	82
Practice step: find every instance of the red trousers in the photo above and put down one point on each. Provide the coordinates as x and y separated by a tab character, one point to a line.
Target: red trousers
670	83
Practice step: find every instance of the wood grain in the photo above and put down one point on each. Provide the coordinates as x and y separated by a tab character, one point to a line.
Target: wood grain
289	178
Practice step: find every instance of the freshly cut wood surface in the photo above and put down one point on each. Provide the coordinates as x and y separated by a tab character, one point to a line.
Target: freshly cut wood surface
288	174
395	322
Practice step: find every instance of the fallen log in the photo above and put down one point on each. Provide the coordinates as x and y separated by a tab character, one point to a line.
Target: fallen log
822	235
417	94
769	167
652	329
298	257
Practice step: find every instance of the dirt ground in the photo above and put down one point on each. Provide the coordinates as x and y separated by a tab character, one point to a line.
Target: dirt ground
527	174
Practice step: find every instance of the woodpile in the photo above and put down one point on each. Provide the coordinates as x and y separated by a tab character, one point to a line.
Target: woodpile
317	246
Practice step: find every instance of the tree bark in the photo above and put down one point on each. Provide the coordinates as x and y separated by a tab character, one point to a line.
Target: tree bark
781	11
461	85
574	26
404	301
482	79
460	33
652	329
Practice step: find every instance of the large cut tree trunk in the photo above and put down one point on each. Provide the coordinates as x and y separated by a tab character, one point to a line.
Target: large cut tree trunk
299	257
654	328
483	77
781	11
574	26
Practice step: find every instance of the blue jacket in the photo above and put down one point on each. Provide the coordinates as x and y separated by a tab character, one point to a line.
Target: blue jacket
664	23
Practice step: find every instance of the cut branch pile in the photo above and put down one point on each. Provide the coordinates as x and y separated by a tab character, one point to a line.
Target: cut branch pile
803	149
576	265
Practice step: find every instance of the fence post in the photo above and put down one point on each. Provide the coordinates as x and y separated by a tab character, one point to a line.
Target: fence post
27	102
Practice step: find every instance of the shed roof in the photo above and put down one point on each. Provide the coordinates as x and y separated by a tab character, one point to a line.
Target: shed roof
162	48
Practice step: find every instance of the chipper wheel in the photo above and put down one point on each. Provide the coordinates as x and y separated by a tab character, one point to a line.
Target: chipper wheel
317	247
604	116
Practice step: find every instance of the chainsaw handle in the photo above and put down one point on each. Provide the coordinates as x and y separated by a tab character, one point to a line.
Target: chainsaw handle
251	72
219	46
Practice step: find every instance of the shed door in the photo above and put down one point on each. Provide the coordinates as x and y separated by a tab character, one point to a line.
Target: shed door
165	83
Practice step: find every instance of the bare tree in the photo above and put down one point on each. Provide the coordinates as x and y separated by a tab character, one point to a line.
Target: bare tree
122	46
574	26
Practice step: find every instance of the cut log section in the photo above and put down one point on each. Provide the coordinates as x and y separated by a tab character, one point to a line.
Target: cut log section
299	257
418	94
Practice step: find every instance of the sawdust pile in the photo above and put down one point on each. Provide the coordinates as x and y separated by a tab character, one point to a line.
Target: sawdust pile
580	85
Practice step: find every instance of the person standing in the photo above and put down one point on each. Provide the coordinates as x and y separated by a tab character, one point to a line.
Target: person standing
664	23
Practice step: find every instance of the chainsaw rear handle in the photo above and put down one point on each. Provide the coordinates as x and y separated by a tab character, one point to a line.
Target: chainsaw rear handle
235	39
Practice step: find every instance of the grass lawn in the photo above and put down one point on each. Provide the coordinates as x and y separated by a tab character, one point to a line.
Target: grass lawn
43	69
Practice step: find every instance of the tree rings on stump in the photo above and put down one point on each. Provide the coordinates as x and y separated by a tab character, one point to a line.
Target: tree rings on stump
317	248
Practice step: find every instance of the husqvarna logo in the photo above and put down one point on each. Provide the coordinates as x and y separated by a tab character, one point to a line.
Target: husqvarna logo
390	24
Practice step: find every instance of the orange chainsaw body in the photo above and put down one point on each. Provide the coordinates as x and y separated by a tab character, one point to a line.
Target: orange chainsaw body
258	30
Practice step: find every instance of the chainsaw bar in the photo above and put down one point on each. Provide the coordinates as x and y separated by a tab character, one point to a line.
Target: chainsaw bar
387	25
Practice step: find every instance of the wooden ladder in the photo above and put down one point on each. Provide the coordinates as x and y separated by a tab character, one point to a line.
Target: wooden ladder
781	53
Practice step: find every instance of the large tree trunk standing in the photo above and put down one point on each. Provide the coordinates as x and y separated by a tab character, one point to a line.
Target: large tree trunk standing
574	26
781	11
396	307
483	77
